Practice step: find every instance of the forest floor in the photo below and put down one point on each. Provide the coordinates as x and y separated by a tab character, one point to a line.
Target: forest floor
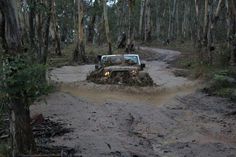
172	119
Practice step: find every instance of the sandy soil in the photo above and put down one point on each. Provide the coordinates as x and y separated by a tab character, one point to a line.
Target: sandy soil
171	119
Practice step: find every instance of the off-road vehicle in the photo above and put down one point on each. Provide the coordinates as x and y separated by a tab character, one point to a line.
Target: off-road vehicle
120	69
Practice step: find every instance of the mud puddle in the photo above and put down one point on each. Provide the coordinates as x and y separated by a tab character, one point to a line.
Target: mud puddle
154	96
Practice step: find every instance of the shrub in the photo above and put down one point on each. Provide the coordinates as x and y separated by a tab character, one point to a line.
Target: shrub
22	80
223	84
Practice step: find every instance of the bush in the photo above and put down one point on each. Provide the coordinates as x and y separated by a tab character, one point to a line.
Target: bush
223	84
222	81
22	80
225	92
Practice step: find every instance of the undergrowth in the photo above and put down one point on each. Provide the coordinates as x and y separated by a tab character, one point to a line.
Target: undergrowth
222	83
220	77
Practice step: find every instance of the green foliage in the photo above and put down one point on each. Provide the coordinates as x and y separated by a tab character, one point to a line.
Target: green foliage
223	84
221	81
225	92
22	80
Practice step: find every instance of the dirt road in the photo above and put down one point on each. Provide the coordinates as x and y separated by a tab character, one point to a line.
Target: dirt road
169	120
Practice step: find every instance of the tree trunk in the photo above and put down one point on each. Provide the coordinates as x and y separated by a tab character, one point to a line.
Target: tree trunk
130	46
92	23
211	31
79	53
12	29
46	35
42	27
169	24
32	22
107	26
228	22
206	22
2	31
198	27
81	32
91	30
20	130
173	20
141	18
233	30
147	30
57	39
184	21
158	21
177	21
25	18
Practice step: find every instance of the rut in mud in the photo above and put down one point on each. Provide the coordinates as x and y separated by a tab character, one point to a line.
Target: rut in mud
168	120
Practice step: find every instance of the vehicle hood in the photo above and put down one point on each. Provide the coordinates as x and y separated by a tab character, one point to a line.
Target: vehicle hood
121	68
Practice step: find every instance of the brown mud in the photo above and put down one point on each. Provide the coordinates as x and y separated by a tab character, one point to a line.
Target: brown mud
171	119
124	78
149	95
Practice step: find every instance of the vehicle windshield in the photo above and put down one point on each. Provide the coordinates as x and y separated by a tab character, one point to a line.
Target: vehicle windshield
131	60
120	60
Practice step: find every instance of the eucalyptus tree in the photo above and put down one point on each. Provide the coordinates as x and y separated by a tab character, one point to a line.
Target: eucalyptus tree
21	133
107	28
231	30
79	52
55	29
10	26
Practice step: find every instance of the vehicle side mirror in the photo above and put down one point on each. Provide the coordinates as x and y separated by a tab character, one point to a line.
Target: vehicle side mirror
143	66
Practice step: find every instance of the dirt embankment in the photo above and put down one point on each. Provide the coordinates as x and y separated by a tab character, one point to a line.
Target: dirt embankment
170	119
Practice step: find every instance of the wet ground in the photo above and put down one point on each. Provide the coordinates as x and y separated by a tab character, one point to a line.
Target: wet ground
171	119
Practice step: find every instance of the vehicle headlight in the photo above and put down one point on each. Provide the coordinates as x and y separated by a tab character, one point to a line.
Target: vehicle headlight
107	74
134	72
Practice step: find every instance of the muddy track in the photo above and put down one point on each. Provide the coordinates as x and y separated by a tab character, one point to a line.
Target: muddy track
171	119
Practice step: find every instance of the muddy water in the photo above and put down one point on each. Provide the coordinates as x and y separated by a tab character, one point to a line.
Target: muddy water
154	95
73	79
